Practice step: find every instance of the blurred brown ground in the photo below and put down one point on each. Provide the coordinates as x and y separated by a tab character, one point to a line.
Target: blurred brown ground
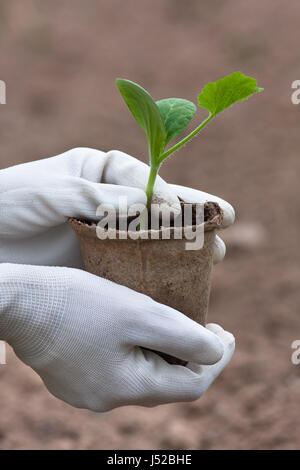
60	59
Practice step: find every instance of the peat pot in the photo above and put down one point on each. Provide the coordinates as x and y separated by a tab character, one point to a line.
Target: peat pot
160	268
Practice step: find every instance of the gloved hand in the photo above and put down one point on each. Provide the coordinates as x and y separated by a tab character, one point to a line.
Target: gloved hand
83	335
37	198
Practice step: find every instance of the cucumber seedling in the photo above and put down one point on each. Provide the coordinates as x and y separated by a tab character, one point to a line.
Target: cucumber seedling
166	119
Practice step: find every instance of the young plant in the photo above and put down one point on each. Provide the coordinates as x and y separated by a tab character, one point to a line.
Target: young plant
164	120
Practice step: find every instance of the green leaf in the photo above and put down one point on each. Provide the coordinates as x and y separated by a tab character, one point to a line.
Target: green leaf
176	114
219	95
147	115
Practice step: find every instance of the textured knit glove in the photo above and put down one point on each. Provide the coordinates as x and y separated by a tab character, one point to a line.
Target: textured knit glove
37	198
84	336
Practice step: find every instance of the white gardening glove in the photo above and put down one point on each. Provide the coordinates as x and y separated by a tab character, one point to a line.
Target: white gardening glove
83	335
37	198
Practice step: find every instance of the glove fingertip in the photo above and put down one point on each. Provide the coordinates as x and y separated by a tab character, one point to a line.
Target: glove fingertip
219	250
225	336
